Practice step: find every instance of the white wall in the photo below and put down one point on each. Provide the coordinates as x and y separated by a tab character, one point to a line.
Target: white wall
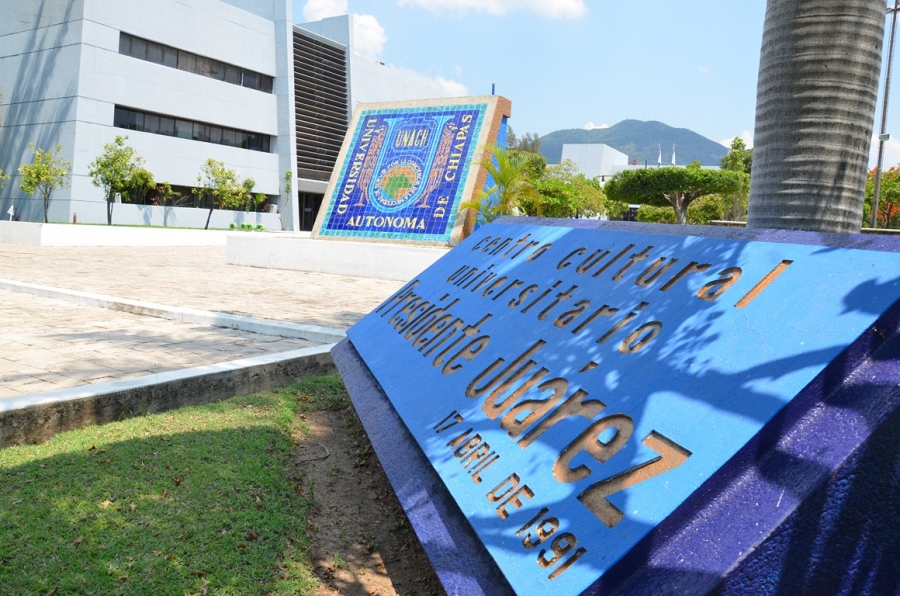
39	51
207	27
204	27
595	159
372	80
62	75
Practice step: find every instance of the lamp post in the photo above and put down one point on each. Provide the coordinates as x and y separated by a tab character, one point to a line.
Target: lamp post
884	136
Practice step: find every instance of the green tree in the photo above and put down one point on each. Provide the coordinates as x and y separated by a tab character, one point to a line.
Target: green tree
888	199
563	191
738	159
47	172
815	108
259	199
251	201
707	208
512	185
114	172
139	185
678	187
288	179
220	187
164	193
654	214
699	212
530	142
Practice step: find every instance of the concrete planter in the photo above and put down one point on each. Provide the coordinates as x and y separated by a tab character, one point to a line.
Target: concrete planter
40	234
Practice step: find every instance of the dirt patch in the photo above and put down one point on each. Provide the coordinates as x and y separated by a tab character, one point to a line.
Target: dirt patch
362	542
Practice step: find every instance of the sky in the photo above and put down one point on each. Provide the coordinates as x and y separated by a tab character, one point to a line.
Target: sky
582	63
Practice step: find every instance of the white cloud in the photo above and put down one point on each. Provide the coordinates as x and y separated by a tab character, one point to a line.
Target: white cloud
704	69
369	36
554	9
592	126
453	88
315	10
746	136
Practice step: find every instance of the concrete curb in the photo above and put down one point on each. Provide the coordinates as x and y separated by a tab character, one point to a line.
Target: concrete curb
38	417
189	315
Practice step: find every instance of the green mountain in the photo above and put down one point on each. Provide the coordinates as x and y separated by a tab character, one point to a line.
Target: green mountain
640	141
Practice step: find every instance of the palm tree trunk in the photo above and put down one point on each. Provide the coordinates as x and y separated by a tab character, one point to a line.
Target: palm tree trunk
815	108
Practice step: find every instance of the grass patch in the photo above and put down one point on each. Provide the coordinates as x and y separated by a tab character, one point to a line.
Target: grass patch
192	501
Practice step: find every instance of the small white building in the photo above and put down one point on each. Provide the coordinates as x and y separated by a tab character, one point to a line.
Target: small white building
185	80
595	160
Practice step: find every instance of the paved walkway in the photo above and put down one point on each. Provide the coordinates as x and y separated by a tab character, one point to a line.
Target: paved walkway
49	344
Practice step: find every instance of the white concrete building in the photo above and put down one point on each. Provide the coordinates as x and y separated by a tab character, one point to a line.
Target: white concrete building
595	159
185	80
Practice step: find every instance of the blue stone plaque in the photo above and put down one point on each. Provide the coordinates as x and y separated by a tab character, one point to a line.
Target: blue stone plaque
573	387
405	168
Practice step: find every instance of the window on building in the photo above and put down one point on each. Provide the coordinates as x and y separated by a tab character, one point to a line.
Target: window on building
217	70
139	48
154	52
184	129
204	66
187	61
232	74
136	121
201	132
250	79
125	44
188	129
228	137
151	123
167	126
120	118
170	57
158	53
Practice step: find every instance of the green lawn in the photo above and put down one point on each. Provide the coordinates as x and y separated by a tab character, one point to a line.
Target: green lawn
192	501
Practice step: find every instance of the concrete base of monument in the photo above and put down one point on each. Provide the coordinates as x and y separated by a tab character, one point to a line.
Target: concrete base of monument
809	505
459	559
56	234
379	260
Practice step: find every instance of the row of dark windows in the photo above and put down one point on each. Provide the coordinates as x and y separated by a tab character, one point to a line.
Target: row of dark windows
188	129
186	196
144	49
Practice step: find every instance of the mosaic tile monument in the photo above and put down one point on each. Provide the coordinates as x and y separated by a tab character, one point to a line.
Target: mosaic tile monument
405	168
590	407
